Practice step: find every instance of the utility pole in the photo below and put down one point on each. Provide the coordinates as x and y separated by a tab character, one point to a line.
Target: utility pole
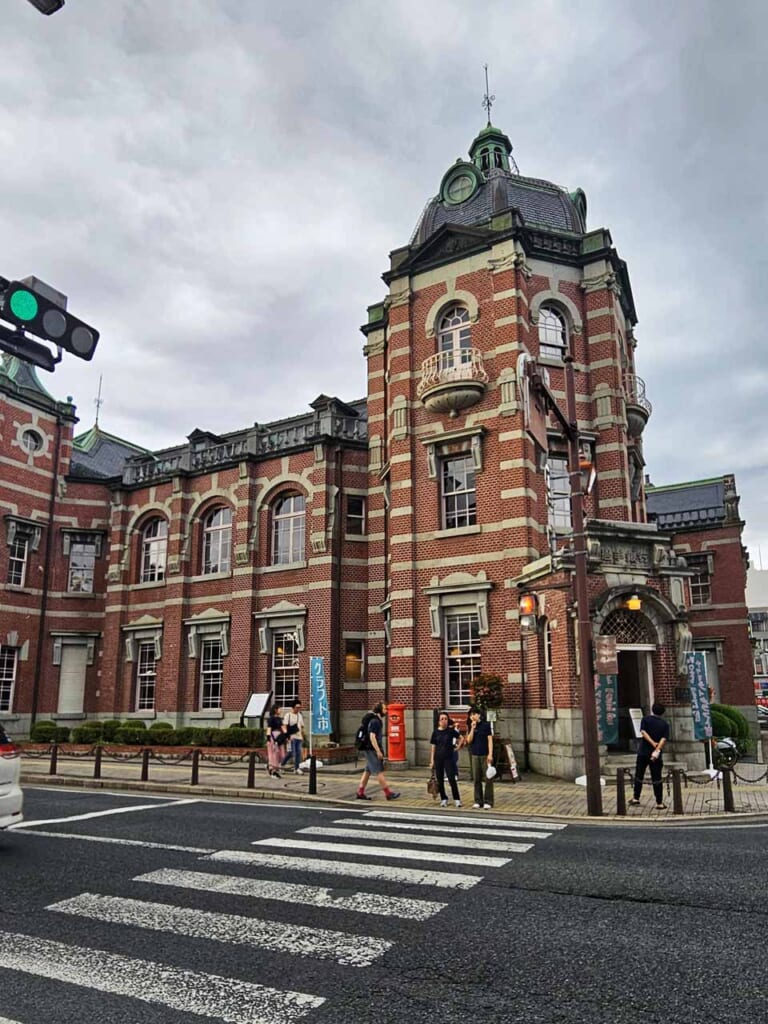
570	425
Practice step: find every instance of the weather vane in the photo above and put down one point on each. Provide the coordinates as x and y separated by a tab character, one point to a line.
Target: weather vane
488	99
98	401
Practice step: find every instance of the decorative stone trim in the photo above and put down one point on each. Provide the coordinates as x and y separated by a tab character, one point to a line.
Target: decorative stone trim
211	624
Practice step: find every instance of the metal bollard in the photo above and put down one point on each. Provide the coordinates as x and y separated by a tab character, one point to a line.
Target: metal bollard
728	804
195	767
313	776
145	764
677	791
251	783
52	768
621	796
97	762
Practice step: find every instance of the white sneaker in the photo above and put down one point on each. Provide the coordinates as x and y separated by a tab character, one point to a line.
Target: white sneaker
487	807
458	803
443	803
475	805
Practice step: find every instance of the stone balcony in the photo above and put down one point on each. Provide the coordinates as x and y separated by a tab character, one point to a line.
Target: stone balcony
452	380
639	408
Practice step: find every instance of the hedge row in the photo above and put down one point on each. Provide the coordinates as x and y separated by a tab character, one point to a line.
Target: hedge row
728	721
135	733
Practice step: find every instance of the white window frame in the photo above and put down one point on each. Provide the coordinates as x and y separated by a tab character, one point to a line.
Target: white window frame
549	689
289	529
217	541
18	560
463	499
211	674
461	655
146	676
85	571
558	480
354	525
9	666
553	333
285	666
454	333
701	581
154	551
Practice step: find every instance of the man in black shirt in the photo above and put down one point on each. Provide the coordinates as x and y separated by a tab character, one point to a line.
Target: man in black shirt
444	740
654	733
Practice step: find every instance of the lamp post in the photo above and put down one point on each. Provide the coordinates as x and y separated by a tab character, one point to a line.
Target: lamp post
570	425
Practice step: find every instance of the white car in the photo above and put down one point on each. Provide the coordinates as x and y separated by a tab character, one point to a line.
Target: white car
11	799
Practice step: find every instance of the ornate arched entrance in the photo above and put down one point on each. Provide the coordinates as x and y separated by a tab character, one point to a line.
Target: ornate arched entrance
636	641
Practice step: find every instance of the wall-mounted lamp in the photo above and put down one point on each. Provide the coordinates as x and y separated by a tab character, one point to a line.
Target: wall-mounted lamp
633	603
587	468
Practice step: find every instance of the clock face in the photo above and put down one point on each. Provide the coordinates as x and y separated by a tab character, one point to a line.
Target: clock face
460	188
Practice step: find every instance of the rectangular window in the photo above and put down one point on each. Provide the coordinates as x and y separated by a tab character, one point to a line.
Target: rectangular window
549	693
82	559
8	662
559	493
459	494
17	560
146	676
701	592
354	661
285	668
355	522
462	656
211	675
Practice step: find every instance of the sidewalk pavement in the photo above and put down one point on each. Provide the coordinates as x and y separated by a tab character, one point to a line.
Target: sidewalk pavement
534	796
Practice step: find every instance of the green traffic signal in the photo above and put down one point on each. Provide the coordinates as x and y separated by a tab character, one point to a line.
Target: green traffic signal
24	305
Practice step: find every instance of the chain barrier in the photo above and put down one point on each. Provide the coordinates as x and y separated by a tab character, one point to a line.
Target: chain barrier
630	775
228	760
742	778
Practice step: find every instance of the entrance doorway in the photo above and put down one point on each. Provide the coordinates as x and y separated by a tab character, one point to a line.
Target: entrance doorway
635	690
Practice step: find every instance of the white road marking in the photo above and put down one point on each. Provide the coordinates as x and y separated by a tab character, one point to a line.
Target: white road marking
7	1020
385	872
452	842
208	995
104	814
447	829
477	819
309	895
369	851
123	842
390	837
351	950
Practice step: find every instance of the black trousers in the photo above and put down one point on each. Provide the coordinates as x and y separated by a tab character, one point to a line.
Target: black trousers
446	766
643	761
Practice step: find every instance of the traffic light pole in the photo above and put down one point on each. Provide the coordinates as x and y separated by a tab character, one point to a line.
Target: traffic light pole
570	424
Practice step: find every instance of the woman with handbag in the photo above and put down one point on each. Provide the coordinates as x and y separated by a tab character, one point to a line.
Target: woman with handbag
276	737
441	760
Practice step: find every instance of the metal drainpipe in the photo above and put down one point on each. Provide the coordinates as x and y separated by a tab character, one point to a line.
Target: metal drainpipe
48	550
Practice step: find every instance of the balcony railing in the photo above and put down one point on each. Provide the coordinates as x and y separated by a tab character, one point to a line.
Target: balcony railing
452	380
638	406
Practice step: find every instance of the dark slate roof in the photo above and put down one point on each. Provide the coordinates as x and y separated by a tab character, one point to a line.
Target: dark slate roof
699	503
540	202
23	375
97	454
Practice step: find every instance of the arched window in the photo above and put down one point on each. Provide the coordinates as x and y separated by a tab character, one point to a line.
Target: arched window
629	627
217	541
553	333
154	546
288	517
454	334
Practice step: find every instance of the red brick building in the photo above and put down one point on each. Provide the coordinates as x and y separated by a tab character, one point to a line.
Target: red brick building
391	535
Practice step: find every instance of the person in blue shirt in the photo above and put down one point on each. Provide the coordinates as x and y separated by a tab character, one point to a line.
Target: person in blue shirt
479	739
442	744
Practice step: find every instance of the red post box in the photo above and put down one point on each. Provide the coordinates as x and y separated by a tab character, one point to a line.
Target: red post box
396	732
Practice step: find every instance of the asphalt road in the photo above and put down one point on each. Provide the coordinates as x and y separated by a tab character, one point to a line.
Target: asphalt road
167	910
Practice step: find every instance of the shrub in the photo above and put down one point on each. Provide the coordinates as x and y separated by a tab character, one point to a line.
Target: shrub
238	736
160	727
163	737
49	732
109	728
131	736
88	732
133	723
721	724
737	725
487	690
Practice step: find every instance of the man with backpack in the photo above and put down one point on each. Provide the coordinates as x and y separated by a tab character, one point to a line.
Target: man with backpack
369	740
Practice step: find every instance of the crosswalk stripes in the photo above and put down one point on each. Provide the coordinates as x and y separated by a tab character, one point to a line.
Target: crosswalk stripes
391	847
230	1000
290	892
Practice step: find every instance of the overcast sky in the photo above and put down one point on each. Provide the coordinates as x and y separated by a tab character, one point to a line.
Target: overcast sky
217	184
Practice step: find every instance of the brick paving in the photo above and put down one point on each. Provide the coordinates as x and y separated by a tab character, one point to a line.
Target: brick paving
533	796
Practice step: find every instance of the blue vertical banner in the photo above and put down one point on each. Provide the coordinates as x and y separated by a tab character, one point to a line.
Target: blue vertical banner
321	713
696	664
607	703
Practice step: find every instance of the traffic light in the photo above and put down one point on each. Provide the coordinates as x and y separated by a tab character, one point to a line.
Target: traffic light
39	315
47	6
529	613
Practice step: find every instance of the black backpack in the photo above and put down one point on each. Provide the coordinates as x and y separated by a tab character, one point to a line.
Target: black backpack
361	736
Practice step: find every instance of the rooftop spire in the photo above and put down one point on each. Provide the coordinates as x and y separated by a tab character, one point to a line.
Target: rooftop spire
488	100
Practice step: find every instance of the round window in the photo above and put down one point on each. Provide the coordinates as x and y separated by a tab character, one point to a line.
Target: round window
460	188
31	441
